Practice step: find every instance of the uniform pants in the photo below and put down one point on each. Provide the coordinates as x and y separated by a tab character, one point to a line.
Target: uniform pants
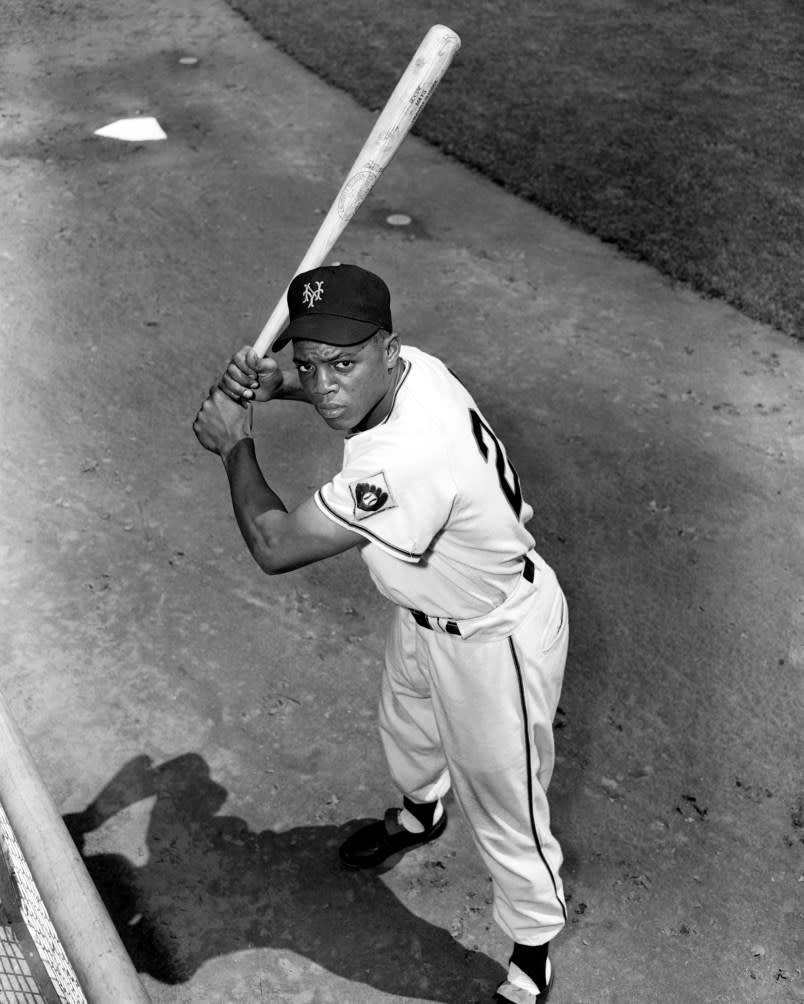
475	714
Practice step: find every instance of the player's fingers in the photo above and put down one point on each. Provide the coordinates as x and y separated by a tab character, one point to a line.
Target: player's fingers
266	386
265	368
268	365
234	385
239	376
253	360
238	371
235	391
247	359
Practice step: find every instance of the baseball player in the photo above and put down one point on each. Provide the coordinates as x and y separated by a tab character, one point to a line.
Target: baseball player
476	649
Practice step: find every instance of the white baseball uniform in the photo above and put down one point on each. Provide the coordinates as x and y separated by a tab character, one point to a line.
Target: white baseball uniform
476	652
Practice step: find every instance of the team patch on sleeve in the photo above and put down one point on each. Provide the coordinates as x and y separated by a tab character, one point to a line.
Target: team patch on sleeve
371	495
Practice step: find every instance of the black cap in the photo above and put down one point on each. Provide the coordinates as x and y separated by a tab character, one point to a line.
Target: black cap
336	304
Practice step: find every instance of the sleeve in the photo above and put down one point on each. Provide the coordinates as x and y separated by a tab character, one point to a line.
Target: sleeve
396	495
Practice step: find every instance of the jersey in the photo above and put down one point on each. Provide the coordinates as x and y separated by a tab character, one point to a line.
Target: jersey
433	493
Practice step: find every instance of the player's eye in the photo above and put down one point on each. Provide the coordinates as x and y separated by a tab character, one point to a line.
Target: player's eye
304	368
344	364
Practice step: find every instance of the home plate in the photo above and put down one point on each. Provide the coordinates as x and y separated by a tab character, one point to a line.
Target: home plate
399	220
144	128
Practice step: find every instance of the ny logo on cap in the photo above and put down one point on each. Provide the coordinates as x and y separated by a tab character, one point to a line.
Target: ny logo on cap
312	293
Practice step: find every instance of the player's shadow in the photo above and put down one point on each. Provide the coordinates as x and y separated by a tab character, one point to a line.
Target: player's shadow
212	886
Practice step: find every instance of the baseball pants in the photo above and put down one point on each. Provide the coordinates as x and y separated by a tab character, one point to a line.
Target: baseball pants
475	712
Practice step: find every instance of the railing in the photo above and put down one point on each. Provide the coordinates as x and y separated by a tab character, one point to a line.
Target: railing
57	942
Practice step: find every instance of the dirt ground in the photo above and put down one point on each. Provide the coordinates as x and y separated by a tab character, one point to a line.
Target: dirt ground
208	732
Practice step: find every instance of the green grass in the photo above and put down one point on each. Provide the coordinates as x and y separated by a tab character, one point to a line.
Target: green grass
673	129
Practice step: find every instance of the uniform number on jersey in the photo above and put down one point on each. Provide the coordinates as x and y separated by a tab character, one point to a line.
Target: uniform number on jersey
509	479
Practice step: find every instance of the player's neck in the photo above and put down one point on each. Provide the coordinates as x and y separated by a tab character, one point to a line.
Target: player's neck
382	409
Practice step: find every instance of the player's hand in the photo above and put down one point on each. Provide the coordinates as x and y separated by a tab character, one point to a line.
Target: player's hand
250	377
222	422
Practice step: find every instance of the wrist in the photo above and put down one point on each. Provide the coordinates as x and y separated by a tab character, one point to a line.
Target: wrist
230	453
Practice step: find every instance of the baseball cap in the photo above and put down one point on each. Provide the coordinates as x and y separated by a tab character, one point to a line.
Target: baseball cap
336	304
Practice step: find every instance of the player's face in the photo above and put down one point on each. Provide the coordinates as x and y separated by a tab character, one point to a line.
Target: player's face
351	387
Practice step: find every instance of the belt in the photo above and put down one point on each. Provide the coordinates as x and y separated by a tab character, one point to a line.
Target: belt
450	626
435	623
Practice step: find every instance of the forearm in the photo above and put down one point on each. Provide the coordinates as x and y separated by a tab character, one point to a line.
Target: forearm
251	497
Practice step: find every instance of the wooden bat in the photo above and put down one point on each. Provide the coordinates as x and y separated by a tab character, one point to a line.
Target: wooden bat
411	94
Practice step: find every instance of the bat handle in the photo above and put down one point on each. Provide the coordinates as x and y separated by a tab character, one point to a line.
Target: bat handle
274	327
322	244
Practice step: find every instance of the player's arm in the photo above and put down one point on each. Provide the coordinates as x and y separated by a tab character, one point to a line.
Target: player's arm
278	540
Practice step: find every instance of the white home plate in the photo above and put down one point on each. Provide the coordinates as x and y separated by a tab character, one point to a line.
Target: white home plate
144	128
399	220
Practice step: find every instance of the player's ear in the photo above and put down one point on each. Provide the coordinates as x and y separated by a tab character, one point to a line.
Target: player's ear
390	343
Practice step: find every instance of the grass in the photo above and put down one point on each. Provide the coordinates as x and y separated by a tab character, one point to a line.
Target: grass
673	129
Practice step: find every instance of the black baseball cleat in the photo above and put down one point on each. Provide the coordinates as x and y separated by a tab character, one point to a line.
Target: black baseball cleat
507	993
372	844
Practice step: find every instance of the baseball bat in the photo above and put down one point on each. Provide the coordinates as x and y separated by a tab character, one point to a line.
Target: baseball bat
412	92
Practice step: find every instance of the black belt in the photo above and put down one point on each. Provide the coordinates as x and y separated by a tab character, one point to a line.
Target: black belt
450	627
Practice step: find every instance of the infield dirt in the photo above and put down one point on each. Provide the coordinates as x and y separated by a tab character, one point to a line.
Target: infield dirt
222	723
